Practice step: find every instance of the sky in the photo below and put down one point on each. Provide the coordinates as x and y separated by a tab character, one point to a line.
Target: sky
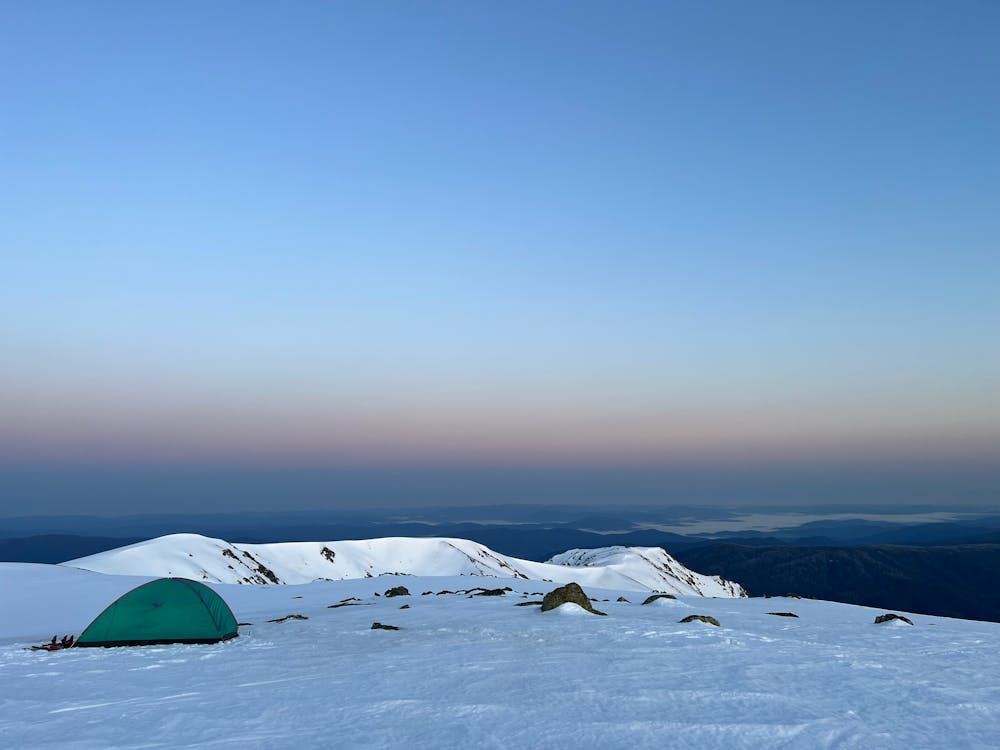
652	239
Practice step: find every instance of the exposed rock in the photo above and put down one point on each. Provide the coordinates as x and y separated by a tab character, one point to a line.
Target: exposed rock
701	618
328	553
380	626
349	604
405	606
262	569
622	599
528	604
398	591
243	624
890	617
492	592
570	593
654	597
444	592
783	614
426	593
290	617
483	591
791	595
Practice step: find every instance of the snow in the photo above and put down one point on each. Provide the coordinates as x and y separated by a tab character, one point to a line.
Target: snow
218	561
635	563
480	672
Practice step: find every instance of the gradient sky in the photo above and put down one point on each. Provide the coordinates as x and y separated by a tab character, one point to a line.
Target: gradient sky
368	235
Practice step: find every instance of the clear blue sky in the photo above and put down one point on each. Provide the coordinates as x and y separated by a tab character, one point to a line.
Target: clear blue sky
510	234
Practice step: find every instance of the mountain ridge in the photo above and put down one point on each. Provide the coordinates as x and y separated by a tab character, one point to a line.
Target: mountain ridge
219	561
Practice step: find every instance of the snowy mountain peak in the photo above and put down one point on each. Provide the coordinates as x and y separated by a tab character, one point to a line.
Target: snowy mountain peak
218	561
638	560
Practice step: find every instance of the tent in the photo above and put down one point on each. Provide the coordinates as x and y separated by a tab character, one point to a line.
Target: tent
167	610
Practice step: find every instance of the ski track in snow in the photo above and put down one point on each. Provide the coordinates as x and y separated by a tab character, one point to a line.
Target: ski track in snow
481	672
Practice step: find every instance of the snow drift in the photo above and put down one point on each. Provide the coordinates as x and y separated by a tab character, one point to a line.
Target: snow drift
218	561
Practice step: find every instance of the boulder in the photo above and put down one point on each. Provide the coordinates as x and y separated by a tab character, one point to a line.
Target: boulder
570	593
890	617
701	618
380	626
622	599
398	591
654	597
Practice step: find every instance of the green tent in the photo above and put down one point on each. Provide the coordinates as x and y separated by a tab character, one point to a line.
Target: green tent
167	610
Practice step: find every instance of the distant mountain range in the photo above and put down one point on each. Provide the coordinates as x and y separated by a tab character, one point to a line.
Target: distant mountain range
953	581
946	567
218	561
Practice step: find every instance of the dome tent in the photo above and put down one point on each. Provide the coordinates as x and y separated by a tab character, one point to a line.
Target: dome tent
167	610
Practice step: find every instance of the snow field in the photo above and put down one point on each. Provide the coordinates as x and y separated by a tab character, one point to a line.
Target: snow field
482	672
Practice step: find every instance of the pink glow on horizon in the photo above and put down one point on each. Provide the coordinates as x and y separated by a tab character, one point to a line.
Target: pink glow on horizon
525	434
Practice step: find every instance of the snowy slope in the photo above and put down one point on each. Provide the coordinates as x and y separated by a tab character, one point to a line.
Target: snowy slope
480	672
218	561
636	562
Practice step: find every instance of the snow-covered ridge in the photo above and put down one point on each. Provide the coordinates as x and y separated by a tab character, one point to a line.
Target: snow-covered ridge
637	561
218	561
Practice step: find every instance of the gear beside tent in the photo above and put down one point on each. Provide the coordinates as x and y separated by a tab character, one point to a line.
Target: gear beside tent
167	610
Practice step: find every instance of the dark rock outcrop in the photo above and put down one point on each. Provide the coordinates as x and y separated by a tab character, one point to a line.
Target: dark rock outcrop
492	592
654	597
701	618
290	617
380	626
398	591
783	614
890	617
571	593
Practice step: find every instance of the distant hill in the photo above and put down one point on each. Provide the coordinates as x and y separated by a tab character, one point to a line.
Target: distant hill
54	548
218	561
955	581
